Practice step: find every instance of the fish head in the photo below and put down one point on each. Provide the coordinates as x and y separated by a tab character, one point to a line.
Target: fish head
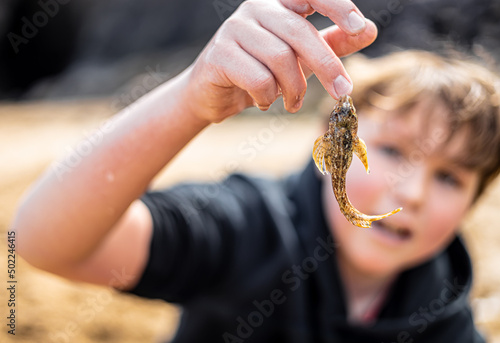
344	111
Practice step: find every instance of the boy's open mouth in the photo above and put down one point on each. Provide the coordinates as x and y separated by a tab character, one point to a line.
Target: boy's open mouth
399	233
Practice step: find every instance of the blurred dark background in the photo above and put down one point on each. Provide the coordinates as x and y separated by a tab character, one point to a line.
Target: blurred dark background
53	49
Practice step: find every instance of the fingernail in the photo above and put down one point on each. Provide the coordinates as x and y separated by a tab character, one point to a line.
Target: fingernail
356	22
298	104
342	86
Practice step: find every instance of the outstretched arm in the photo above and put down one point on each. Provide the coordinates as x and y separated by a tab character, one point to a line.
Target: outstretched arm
88	224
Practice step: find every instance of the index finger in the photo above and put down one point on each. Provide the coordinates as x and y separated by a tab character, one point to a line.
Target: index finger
342	12
307	43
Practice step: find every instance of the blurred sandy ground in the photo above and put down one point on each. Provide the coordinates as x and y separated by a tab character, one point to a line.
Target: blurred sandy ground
50	309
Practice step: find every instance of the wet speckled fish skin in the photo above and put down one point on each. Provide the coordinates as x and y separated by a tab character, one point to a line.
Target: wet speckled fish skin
333	153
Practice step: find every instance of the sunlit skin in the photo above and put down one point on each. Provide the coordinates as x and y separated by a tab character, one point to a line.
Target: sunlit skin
411	167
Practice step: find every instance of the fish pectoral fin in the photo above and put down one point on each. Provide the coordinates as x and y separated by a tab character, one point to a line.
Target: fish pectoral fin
360	151
319	152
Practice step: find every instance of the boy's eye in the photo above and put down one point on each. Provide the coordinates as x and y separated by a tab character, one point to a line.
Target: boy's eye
447	178
391	151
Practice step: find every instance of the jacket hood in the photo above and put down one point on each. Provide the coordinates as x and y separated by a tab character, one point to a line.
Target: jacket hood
428	303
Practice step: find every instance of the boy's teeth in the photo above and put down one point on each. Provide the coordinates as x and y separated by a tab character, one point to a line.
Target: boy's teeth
398	231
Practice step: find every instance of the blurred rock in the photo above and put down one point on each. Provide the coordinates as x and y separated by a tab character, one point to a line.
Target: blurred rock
90	47
37	41
428	24
95	47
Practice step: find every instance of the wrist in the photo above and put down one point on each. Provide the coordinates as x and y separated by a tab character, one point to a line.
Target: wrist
176	96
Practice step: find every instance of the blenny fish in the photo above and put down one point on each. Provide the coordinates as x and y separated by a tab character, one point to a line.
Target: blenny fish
333	152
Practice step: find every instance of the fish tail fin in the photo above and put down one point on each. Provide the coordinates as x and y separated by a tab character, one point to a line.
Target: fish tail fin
363	220
373	218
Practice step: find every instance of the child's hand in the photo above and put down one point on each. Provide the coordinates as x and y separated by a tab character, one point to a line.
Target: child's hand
267	47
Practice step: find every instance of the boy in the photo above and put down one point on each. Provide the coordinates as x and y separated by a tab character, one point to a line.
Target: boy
254	260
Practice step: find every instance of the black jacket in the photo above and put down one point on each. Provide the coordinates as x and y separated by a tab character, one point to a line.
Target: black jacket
252	260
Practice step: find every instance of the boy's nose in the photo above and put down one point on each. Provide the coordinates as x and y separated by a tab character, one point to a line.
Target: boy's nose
412	187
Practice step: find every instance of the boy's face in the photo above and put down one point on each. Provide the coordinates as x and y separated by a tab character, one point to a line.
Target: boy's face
411	167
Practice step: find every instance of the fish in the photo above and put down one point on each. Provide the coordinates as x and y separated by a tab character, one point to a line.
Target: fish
333	153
